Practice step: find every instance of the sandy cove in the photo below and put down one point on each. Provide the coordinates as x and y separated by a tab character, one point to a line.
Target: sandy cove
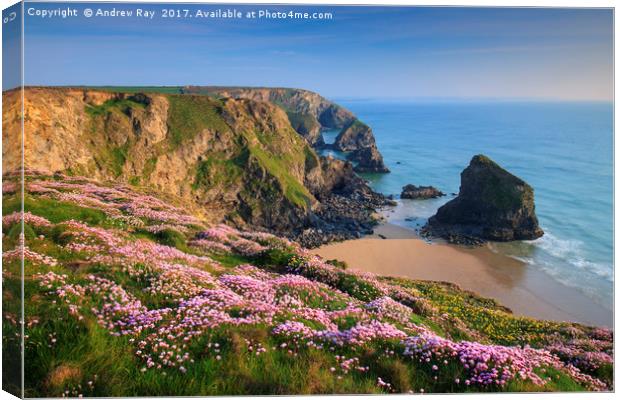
524	290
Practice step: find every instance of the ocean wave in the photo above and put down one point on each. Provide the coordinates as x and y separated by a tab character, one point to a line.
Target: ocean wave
570	251
593	291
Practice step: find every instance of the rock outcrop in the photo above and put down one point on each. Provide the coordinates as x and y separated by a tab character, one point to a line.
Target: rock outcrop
358	139
233	160
308	127
492	204
368	159
420	192
347	206
356	135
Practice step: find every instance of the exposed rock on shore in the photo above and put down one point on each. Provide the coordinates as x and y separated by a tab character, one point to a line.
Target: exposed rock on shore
420	192
358	139
492	204
347	206
368	160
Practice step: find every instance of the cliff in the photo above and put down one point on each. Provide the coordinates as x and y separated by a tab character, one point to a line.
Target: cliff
235	160
309	114
492	204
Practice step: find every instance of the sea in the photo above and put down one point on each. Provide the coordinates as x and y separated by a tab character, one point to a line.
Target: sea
564	150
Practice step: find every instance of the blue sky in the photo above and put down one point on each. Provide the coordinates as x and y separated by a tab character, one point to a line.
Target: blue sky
362	52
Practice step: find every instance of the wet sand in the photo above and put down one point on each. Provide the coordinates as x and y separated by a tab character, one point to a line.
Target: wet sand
397	251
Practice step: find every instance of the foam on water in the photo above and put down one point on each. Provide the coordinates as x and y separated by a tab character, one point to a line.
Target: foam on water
573	252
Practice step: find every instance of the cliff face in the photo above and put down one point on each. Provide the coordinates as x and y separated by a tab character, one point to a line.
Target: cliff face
235	160
309	113
492	204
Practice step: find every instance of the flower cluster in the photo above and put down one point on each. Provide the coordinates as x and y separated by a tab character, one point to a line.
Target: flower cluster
490	365
118	202
29	255
27	217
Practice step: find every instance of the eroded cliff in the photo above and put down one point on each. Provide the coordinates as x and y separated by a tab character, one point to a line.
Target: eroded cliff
310	114
235	160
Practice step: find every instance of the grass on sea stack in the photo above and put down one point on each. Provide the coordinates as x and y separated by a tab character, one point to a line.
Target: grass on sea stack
127	295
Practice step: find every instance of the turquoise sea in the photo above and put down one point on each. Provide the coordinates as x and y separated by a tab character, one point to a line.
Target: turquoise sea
563	150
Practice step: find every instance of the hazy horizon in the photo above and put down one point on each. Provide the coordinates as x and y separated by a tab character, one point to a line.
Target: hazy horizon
363	52
411	99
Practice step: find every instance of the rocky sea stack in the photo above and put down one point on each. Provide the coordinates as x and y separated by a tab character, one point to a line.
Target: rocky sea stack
358	139
368	159
420	192
492	204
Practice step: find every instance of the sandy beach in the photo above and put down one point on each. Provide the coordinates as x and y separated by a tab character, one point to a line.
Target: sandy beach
396	251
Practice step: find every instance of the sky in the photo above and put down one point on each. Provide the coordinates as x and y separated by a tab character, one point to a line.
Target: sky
362	52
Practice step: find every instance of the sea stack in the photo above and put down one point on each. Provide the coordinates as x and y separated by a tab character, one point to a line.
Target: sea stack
357	138
368	159
492	204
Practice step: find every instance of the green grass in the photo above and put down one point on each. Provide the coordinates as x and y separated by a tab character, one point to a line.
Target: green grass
189	115
119	157
294	190
110	105
302	123
230	260
55	211
218	172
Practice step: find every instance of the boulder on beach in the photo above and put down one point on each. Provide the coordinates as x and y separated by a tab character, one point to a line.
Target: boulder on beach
492	204
420	192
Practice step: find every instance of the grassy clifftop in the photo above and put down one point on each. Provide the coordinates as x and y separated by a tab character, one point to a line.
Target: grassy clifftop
127	294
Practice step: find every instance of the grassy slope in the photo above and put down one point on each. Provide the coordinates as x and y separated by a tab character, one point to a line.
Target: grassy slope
79	356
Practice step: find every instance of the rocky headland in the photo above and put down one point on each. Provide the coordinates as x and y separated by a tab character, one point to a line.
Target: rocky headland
420	192
309	114
233	160
492	204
